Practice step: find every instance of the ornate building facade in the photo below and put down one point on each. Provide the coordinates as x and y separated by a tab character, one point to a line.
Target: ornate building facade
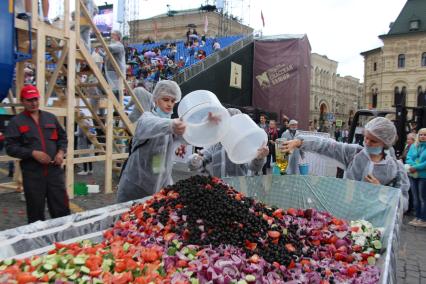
333	98
175	25
396	72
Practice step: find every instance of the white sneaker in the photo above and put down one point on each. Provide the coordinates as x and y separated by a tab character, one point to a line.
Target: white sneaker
90	172
414	222
420	223
82	173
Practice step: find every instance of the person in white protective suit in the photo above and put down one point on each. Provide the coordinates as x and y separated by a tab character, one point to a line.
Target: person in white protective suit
149	166
118	52
144	97
220	165
372	163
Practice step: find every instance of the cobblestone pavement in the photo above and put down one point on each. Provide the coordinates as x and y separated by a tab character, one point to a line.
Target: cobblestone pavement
411	267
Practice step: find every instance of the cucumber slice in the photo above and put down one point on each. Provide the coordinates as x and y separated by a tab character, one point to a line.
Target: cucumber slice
51	274
36	262
377	244
8	262
85	269
79	260
47	267
171	251
69	272
126	247
38	274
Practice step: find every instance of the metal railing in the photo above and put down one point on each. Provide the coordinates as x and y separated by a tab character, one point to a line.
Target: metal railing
195	69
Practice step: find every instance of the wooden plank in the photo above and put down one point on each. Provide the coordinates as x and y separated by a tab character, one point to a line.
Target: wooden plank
20	79
67	15
11	101
69	174
6	158
56	110
10	185
100	158
109	141
41	63
87	151
54	77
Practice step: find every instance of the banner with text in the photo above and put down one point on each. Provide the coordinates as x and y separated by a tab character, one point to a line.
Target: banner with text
282	71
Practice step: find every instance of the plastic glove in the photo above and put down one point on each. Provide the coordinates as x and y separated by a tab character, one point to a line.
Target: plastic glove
214	118
290	145
178	126
196	161
262	152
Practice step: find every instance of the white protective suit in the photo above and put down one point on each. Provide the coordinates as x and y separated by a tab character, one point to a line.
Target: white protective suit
118	52
220	165
145	99
357	162
149	168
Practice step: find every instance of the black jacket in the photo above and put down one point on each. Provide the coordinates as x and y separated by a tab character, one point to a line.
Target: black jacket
23	135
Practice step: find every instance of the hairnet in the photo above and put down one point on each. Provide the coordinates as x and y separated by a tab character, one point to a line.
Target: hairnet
234	111
167	88
292	122
118	33
383	129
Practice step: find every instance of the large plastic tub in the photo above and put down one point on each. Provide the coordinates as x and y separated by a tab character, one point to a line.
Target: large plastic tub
347	199
243	138
194	109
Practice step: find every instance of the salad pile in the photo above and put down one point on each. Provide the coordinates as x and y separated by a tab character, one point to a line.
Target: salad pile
200	230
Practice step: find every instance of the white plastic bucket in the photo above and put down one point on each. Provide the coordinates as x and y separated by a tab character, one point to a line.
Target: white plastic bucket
193	109
243	138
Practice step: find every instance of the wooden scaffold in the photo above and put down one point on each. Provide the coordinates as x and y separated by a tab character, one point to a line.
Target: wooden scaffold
65	48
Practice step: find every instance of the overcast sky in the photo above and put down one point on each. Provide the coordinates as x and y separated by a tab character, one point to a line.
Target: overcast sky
340	29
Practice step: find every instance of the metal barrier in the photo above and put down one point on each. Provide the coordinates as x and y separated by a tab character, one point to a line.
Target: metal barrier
195	69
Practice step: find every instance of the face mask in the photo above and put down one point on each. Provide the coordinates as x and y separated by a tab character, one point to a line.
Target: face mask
161	113
374	150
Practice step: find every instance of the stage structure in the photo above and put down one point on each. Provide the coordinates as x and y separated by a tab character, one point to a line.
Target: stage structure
63	48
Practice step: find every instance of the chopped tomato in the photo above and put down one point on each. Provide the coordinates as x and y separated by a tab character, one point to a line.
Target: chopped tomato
274	234
290	248
249	245
149	255
25	277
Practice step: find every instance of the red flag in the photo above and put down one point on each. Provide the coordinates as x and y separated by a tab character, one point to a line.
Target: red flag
263	19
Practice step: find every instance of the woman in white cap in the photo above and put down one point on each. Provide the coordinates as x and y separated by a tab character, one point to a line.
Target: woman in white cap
149	166
371	163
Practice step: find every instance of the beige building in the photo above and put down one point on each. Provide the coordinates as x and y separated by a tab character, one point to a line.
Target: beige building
333	98
174	25
396	72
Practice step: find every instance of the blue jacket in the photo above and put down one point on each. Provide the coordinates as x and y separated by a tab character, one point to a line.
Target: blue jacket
416	158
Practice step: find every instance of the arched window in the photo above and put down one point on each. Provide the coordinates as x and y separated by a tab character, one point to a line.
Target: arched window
424	59
421	96
400	96
374	98
401	61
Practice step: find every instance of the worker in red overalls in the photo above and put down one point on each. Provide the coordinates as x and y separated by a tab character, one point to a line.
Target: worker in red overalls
37	138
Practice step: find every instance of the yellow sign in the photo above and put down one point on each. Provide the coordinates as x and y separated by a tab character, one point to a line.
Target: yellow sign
11	6
235	75
338	123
